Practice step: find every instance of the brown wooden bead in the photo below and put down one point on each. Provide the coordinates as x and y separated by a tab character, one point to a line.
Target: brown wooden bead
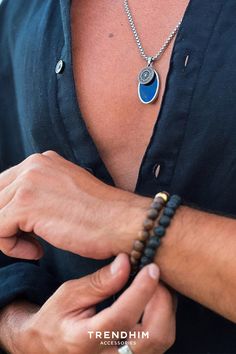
136	254
160	201
157	206
143	235
152	214
148	224
133	261
138	246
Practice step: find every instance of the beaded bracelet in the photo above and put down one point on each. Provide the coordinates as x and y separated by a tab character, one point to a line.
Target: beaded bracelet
152	215
154	241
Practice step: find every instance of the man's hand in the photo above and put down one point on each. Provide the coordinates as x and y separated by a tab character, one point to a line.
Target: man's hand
63	324
66	206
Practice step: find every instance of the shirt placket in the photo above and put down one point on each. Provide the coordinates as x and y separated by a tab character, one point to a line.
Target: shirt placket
159	162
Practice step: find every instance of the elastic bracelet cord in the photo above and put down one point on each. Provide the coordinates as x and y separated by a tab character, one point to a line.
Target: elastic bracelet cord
153	213
159	232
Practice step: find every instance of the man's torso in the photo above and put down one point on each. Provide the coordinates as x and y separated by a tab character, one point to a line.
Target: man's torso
106	65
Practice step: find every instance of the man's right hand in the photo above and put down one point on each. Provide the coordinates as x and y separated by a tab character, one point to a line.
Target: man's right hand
62	324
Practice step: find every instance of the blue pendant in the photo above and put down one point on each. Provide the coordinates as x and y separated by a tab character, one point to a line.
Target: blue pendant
148	86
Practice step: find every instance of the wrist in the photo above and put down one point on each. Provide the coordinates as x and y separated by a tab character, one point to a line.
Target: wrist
13	319
131	223
154	227
173	244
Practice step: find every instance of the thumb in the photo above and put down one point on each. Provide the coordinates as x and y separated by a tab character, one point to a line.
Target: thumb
92	289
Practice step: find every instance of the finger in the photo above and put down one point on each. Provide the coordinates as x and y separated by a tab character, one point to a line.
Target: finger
92	289
160	311
127	310
159	322
21	246
12	243
7	177
7	194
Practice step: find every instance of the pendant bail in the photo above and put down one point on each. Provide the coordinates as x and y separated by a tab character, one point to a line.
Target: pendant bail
150	61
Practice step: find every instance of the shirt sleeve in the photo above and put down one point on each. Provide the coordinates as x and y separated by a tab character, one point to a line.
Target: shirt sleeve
18	279
27	280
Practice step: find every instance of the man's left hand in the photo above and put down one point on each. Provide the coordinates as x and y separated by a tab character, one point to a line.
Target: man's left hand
67	206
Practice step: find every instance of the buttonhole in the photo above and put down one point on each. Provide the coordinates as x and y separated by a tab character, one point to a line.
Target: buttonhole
157	170
186	60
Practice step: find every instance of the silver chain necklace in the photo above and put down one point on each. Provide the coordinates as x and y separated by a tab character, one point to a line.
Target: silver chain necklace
148	78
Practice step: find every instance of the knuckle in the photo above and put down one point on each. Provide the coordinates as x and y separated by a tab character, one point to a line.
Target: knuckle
32	168
96	282
24	195
28	179
50	153
67	287
30	174
36	158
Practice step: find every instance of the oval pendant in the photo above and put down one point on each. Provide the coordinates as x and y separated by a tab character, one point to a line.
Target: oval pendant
148	92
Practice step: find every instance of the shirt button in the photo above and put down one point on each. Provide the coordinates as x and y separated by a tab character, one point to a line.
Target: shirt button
59	67
157	170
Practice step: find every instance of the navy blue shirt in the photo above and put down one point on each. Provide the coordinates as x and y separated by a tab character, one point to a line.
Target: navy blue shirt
194	140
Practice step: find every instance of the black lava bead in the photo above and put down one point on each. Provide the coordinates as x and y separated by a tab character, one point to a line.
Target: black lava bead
145	260
169	212
164	221
154	242
159	231
150	253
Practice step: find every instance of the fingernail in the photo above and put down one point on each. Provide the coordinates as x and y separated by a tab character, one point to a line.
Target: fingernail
116	265
153	271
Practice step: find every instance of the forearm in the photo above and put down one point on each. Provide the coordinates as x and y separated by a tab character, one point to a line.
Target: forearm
197	258
12	320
